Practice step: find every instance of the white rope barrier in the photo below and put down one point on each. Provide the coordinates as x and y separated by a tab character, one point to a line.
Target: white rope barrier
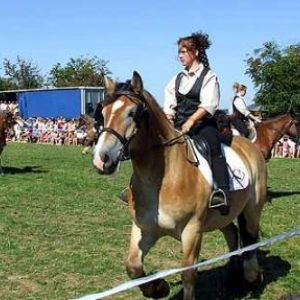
136	282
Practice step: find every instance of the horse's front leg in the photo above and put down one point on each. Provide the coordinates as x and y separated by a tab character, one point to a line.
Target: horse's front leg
140	243
191	242
231	235
1	170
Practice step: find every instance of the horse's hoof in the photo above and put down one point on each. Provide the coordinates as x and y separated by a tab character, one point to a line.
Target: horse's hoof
250	286
156	289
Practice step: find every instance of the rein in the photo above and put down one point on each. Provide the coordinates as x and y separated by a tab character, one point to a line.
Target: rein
173	140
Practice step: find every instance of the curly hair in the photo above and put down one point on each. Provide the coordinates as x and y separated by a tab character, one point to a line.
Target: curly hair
196	41
238	87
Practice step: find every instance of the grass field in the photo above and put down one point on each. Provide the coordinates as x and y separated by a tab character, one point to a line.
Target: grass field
63	233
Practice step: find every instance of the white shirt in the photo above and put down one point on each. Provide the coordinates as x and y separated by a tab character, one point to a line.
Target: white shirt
240	105
3	106
209	94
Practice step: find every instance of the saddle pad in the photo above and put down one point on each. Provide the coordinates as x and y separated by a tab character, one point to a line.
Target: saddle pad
252	133
238	174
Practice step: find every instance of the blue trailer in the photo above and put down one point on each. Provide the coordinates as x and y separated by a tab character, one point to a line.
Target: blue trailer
69	102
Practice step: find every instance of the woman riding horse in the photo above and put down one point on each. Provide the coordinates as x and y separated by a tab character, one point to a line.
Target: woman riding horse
191	99
168	194
240	112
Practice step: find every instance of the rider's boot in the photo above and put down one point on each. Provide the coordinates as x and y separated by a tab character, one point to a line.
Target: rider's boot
220	195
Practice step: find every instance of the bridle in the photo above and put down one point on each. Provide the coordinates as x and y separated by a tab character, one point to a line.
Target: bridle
125	141
141	110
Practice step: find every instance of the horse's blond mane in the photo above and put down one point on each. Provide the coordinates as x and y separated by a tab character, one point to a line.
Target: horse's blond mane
151	101
165	127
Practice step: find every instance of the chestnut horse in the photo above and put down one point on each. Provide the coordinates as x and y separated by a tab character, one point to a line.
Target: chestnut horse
270	131
7	121
168	194
265	134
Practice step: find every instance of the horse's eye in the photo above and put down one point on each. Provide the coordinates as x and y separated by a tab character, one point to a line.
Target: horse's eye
131	114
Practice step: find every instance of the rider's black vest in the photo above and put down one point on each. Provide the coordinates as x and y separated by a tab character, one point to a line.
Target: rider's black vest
236	114
187	104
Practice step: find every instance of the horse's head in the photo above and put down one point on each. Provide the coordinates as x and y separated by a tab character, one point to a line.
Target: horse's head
85	120
292	128
81	121
123	111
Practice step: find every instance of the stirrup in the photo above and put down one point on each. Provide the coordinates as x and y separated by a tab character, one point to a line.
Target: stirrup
217	199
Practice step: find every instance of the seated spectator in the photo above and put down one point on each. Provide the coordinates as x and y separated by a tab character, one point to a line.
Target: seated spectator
18	132
80	136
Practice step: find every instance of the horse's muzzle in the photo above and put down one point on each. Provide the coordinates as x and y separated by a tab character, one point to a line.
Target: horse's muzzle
106	167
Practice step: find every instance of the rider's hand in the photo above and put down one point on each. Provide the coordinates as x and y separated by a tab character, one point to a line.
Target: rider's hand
187	125
170	119
257	120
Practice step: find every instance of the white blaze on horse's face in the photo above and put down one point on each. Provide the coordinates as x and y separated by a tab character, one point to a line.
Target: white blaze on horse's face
108	150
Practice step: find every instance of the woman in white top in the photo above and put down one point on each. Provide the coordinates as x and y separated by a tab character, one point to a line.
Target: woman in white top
191	99
240	113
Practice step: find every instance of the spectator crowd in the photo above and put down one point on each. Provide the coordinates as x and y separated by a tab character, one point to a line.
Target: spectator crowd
55	131
286	147
9	106
63	131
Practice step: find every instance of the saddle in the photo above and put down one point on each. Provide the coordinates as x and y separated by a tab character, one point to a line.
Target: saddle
202	147
238	174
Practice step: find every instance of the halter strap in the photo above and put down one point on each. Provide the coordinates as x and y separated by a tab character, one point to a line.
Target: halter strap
140	96
124	141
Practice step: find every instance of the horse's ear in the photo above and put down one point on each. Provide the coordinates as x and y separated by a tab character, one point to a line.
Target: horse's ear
109	85
137	82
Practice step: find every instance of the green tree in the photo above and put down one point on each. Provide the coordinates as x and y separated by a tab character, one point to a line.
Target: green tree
81	71
6	84
275	73
21	75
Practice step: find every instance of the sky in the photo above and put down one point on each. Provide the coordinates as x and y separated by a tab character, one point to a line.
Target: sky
142	35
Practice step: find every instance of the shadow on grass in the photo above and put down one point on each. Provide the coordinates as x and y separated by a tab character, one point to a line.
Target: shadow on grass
221	284
26	169
274	195
282	194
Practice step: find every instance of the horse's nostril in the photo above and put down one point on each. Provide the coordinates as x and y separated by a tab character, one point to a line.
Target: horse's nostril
106	158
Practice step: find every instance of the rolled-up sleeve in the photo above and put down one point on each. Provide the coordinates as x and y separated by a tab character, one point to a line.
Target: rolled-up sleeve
170	101
210	93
